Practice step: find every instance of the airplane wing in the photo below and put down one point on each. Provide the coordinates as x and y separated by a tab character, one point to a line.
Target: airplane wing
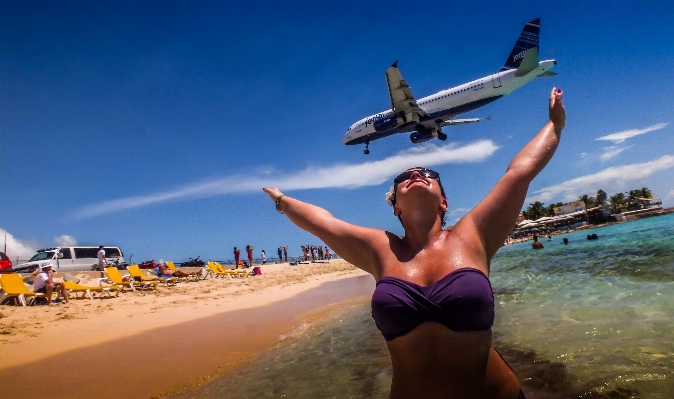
451	122
403	103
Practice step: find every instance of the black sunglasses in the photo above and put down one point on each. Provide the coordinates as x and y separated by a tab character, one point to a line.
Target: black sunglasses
427	173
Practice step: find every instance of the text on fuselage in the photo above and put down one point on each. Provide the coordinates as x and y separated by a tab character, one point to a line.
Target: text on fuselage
373	118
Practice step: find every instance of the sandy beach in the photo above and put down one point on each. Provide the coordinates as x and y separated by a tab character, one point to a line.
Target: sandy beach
148	344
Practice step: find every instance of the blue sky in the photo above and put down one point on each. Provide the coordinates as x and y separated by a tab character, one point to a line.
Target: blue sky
154	125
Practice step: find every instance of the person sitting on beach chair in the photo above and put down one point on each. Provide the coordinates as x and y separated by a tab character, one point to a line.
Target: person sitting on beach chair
44	283
162	270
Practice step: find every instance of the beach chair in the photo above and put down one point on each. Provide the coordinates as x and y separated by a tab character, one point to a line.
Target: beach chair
138	276
14	287
77	289
215	271
240	273
152	274
173	267
115	277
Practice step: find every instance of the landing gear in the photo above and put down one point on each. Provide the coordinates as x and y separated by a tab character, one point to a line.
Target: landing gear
367	151
442	136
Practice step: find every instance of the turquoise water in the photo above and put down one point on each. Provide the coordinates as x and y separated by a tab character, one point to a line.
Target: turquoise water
592	319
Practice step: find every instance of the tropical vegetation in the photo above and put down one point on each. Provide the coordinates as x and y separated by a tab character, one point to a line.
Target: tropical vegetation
616	203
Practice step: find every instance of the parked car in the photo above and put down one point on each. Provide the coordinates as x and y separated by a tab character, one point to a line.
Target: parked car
70	259
5	263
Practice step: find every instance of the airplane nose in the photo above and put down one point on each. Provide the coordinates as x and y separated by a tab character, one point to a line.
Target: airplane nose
347	137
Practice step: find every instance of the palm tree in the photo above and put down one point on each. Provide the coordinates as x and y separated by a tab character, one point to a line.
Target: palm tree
601	197
646	193
633	199
536	210
550	210
617	202
588	201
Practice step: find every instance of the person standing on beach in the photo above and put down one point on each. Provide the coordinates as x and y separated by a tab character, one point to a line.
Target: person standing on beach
101	258
433	301
237	255
249	250
264	257
280	254
285	254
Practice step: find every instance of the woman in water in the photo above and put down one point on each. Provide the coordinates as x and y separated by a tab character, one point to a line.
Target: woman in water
433	302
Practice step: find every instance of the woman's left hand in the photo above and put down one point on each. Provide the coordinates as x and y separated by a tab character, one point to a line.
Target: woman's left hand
273	193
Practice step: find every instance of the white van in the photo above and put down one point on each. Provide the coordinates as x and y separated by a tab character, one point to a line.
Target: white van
70	259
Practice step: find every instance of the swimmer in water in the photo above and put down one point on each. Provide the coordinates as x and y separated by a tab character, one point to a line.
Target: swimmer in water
433	302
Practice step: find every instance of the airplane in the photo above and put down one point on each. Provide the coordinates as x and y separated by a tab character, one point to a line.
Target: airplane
426	117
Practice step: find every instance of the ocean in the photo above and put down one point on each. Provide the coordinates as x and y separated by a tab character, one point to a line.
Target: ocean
591	319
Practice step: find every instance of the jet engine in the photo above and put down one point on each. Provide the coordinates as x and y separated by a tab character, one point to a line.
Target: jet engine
385	123
420	137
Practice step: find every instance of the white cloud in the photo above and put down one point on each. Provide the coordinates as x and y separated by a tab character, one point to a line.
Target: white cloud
458	211
336	176
611	152
16	248
65	241
620	137
609	179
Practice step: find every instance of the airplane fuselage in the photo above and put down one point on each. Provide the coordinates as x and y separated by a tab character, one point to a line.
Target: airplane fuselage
445	104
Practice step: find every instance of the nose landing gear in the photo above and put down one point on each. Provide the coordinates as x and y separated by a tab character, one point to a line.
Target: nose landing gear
367	151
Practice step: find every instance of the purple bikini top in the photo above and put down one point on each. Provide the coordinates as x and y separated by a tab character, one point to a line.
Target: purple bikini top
461	301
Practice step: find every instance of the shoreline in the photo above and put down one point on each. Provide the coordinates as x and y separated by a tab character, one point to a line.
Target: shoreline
666	211
153	344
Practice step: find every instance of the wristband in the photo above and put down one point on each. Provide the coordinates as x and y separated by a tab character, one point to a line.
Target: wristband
278	202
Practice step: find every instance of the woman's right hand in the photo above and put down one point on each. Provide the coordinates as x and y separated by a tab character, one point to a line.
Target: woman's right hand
557	111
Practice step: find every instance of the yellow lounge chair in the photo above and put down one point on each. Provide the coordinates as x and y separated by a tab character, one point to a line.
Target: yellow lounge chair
76	289
173	267
135	272
14	287
232	272
115	277
214	270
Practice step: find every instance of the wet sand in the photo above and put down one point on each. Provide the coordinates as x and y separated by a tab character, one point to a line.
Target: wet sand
170	355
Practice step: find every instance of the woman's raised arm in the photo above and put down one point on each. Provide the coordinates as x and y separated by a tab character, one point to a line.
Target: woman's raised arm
495	216
351	242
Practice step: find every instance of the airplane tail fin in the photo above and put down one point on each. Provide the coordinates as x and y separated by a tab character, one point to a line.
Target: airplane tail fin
528	39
